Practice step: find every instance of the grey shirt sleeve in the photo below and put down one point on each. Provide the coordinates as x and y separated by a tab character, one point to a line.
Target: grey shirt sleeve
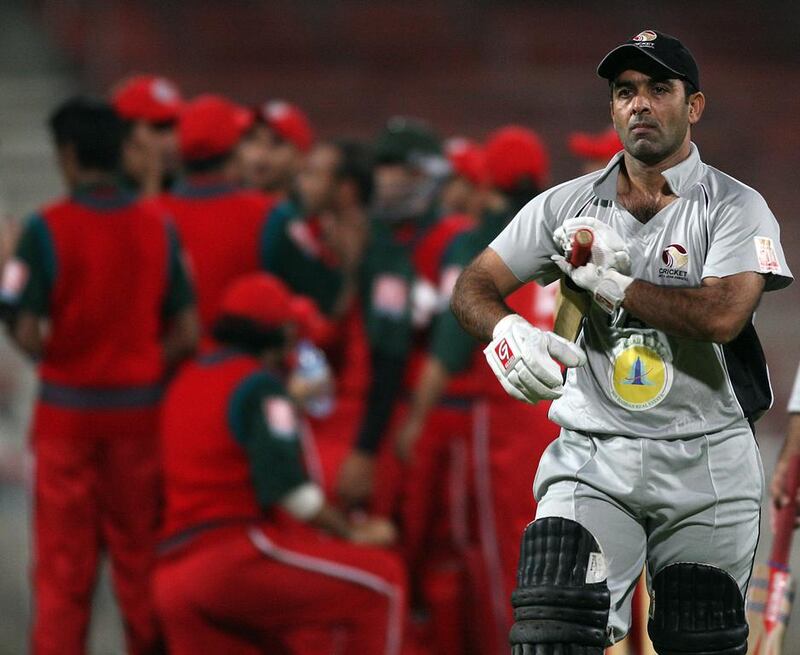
794	400
526	244
744	236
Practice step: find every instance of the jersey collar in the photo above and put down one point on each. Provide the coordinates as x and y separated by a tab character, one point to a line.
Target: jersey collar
203	186
103	196
681	178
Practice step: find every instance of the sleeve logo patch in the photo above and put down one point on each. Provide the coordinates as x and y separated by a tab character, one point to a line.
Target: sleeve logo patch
15	277
390	295
280	417
767	257
448	281
505	354
303	238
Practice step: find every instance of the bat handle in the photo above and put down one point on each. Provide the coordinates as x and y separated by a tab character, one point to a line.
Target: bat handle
581	249
785	517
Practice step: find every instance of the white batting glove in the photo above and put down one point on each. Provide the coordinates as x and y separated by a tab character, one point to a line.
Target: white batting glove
608	248
525	359
607	286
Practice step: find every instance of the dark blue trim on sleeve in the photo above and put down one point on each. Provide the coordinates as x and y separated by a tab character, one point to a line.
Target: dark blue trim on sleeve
272	233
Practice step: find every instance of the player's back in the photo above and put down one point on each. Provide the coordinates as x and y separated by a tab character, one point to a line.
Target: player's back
206	473
109	271
220	227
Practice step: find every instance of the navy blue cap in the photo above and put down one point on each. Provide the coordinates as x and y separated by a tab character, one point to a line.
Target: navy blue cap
651	52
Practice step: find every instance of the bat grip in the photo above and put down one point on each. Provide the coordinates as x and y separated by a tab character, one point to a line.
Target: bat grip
785	518
581	249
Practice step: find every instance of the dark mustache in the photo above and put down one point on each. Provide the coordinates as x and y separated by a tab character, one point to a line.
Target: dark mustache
644	123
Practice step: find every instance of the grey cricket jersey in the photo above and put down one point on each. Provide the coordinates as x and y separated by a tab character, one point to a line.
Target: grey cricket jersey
639	381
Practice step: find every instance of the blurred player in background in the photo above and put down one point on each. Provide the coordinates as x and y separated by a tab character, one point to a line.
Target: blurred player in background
244	562
461	193
219	223
275	147
315	245
594	150
467	495
791	447
408	237
99	297
315	241
151	106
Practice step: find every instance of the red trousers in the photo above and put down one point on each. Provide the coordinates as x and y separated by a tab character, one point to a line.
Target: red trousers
249	590
96	488
466	499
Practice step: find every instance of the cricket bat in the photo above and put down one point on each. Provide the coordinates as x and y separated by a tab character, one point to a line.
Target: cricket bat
771	592
573	302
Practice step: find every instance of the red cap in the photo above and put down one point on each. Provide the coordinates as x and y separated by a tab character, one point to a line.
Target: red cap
467	159
289	122
264	299
211	126
513	153
147	98
601	146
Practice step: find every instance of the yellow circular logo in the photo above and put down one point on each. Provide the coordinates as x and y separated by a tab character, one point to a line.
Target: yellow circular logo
640	378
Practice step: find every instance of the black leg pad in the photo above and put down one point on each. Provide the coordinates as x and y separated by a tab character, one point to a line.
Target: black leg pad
561	602
698	610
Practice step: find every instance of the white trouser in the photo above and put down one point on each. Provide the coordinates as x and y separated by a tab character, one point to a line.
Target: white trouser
657	501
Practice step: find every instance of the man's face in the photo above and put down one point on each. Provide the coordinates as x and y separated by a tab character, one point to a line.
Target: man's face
151	147
252	156
394	182
402	192
283	163
458	196
651	115
317	180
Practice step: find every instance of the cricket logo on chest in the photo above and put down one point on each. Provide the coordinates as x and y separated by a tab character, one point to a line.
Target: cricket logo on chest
674	263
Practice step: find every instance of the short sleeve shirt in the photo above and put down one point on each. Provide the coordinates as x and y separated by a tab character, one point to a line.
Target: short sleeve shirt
264	421
640	381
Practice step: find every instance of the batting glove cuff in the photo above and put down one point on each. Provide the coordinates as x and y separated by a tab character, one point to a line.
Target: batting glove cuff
609	293
505	323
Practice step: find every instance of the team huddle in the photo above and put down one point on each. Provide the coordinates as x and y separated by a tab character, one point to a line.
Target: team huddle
256	397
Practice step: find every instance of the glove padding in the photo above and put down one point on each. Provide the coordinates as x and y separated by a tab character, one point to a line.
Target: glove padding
608	248
522	357
607	286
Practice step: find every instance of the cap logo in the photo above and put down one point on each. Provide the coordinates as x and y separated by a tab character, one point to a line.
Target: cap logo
277	110
647	35
164	92
456	146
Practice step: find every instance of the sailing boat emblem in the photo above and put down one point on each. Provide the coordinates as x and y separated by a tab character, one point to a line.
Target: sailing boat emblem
641	375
